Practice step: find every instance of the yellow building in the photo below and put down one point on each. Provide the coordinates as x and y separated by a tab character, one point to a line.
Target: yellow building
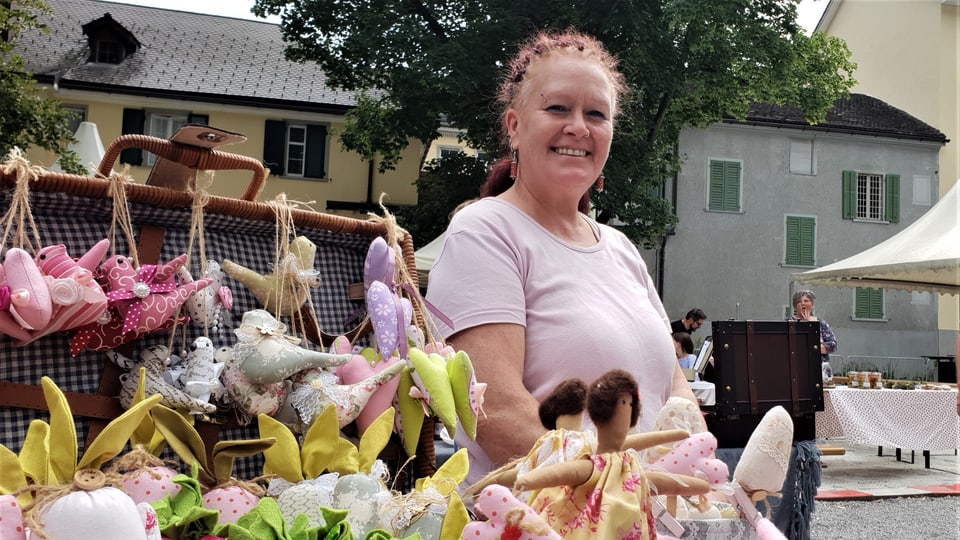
908	54
132	69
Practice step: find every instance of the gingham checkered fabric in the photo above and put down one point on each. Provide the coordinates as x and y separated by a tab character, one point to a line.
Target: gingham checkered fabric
79	222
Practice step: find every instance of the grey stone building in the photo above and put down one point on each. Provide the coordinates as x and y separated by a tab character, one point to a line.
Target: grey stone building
762	198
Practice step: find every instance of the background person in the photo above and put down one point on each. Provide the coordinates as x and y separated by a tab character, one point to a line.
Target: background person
690	322
539	292
803	302
683	344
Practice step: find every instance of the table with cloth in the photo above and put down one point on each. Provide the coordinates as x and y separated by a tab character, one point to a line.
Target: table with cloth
904	419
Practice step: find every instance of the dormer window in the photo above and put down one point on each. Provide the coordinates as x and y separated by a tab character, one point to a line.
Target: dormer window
107	52
109	41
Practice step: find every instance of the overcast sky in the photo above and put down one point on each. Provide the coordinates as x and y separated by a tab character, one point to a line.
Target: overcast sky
808	14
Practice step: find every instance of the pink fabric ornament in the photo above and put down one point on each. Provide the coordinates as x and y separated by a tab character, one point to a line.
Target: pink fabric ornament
142	301
65	276
11	519
692	457
507	517
358	369
30	303
8	325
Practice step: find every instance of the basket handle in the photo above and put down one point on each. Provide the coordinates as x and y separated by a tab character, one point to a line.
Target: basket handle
194	157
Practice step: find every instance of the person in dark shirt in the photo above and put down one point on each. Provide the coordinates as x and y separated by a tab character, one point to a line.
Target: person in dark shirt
689	324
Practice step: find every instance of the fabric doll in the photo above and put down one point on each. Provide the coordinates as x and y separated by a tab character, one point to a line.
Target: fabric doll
605	494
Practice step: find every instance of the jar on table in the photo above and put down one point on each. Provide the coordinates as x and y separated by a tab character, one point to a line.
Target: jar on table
853	379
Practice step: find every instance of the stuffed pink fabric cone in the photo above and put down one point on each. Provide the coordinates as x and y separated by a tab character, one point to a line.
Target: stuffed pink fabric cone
507	517
11	519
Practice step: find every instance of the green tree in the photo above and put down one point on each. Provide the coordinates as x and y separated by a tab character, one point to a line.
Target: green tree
27	118
688	62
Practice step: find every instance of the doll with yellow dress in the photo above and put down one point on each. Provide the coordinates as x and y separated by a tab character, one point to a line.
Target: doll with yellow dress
606	492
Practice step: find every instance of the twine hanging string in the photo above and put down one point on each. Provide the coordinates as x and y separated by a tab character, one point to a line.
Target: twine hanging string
19	217
121	214
298	282
200	199
393	232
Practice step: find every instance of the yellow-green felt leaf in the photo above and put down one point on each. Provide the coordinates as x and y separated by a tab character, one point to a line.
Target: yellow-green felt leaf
347	458
111	441
411	413
460	371
11	473
224	452
449	476
282	458
35	453
63	433
321	443
431	369
145	434
455	519
183	440
375	439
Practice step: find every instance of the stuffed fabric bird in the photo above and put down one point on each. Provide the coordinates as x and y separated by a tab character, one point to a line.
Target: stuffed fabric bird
209	306
266	354
150	368
286	289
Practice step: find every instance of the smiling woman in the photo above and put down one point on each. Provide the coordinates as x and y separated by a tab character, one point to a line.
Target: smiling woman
537	291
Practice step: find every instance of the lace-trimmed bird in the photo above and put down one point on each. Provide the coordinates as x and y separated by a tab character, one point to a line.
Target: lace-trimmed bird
285	289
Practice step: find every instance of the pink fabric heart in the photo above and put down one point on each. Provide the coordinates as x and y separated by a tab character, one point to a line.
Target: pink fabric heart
507	518
692	457
30	303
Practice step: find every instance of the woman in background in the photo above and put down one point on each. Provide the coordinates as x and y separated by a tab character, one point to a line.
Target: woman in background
803	302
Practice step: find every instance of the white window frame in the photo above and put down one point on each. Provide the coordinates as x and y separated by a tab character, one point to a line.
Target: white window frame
162	124
290	144
802	157
870	197
441	150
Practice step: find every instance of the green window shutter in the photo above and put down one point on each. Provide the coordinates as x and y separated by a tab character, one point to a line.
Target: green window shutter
132	122
316	150
808	232
731	186
891	197
724	189
849	194
801	238
715	201
868	303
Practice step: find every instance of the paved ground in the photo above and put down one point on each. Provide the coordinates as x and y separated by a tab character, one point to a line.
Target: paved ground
861	474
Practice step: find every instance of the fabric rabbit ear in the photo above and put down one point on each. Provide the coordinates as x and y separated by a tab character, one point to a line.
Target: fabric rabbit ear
380	264
412	411
283	458
433	383
12	476
385	312
766	456
449	476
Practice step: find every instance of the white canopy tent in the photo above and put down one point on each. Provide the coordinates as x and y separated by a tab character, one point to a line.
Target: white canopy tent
89	147
425	258
925	256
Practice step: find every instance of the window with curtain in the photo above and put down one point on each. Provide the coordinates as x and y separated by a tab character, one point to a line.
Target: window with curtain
295	149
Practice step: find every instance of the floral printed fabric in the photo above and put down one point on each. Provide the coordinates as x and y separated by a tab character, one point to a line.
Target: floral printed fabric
613	503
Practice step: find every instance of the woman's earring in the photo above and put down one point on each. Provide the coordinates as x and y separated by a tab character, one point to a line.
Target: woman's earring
514	165
599	184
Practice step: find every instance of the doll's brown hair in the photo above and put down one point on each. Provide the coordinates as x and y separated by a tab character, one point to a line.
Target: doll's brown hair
605	392
568	398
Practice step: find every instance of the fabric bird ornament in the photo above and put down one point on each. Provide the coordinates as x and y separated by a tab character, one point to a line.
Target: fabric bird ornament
362	365
200	371
210	306
266	354
433	509
286	289
150	369
78	299
250	398
142	300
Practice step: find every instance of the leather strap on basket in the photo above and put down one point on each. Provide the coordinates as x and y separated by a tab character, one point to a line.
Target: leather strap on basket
751	370
792	358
